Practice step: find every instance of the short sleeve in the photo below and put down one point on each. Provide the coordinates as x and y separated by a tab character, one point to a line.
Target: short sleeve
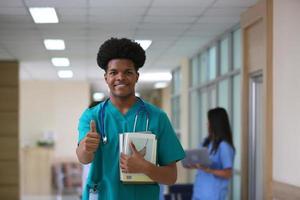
84	124
227	155
169	148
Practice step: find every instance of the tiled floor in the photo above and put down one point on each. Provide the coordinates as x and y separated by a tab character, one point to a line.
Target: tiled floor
58	197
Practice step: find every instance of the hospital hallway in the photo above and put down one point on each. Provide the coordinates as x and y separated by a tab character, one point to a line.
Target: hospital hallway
240	55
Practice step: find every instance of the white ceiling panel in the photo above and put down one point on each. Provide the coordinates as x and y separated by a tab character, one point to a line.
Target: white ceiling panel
11	3
118	3
175	11
115	18
65	11
12	10
224	12
169	19
152	34
73	20
5	55
177	29
181	3
40	70
115	10
162	26
17	27
16	19
214	19
56	3
235	3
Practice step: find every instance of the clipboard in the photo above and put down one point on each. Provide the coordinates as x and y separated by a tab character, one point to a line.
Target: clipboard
196	156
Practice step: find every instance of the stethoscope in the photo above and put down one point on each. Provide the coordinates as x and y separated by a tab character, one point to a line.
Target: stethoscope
102	113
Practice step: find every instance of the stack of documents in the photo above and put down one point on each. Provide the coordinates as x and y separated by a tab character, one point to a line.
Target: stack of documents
146	144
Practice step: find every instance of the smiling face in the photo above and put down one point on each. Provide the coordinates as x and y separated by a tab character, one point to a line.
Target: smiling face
121	78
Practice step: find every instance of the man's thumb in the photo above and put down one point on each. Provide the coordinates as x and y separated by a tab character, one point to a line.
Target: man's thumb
93	126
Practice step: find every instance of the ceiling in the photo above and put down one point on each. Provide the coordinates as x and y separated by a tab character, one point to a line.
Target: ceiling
177	28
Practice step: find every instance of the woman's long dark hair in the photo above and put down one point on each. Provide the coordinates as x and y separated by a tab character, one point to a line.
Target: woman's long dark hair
219	129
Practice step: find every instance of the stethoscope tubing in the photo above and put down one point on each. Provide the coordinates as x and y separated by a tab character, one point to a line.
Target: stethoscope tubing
102	114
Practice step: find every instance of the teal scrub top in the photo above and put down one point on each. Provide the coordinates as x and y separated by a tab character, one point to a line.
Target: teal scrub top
105	166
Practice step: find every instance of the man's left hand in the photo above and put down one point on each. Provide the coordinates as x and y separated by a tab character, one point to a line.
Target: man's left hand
134	163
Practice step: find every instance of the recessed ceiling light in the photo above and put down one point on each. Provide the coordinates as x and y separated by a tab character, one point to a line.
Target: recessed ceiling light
43	15
144	43
60	62
53	44
160	85
148	77
98	96
65	74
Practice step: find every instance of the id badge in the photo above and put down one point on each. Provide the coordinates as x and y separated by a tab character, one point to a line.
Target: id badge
93	194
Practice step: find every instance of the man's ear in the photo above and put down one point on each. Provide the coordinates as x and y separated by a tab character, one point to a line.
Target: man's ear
105	77
138	75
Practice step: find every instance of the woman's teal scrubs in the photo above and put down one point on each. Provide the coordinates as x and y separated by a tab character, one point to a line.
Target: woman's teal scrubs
105	166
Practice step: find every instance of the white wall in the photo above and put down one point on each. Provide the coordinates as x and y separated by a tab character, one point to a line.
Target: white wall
286	59
52	106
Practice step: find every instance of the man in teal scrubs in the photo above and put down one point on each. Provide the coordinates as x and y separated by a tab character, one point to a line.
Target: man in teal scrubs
121	59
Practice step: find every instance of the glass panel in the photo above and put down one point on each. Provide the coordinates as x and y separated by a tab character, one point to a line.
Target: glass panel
223	94
194	71
203	118
176	81
224	63
212	96
236	122
203	67
236	187
173	113
195	118
176	113
237	49
212	63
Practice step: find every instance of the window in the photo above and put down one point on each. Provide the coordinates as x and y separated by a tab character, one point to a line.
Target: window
237	49
223	94
194	72
224	56
218	67
175	101
212	62
203	67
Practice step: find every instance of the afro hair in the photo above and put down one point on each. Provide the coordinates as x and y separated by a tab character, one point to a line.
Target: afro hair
120	48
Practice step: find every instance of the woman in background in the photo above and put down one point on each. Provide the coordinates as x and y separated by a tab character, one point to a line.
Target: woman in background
212	182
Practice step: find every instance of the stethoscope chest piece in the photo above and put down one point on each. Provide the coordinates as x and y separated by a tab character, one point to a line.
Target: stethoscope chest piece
104	139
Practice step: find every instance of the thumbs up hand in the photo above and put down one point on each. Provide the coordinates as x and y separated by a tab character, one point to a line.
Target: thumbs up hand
91	141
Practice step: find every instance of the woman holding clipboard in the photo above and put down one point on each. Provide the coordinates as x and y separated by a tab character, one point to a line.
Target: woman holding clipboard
211	183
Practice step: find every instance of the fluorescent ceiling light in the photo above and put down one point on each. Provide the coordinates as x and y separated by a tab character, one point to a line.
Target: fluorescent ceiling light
43	15
160	85
98	96
51	44
144	43
60	62
148	77
65	74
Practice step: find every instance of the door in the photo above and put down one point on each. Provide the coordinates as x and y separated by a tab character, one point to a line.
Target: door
256	138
